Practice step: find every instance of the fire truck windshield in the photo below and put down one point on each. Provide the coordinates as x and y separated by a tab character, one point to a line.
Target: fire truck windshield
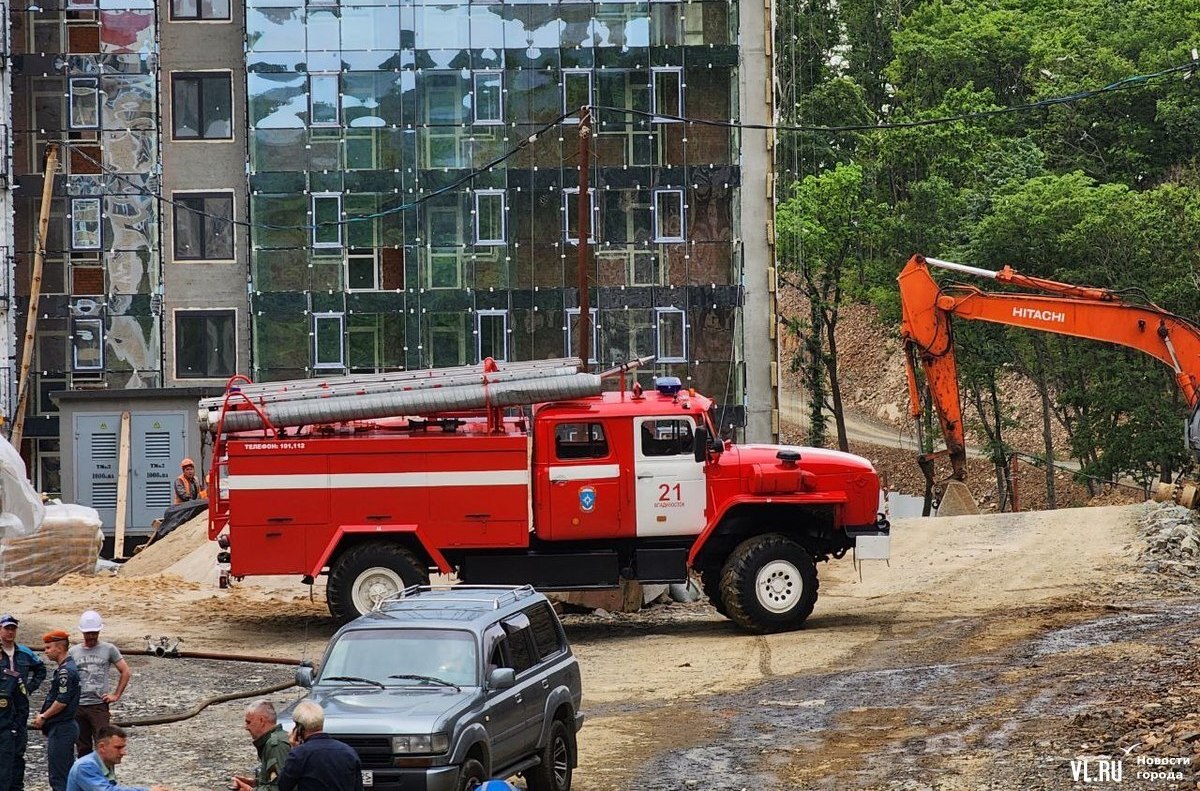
382	656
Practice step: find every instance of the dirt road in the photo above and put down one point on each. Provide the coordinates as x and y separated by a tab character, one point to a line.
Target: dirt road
959	666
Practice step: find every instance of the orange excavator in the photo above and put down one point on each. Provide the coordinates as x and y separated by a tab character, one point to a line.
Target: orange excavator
1079	311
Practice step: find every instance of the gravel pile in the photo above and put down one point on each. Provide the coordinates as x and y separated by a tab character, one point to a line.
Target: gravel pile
1172	536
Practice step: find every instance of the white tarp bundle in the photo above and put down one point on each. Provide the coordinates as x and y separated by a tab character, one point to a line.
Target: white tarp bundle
21	509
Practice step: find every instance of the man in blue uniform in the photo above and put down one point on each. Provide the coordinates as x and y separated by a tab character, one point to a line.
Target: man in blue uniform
57	719
11	690
17	661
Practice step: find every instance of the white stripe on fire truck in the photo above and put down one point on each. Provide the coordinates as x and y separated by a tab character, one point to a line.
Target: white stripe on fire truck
379	480
585	472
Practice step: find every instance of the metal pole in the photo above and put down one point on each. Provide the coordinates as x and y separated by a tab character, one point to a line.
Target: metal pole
35	293
585	233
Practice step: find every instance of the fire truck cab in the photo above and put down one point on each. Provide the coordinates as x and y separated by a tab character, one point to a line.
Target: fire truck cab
575	494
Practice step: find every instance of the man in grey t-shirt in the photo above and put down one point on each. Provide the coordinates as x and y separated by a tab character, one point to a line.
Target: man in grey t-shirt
94	658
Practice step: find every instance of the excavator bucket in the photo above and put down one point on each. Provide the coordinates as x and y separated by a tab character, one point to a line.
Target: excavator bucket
957	500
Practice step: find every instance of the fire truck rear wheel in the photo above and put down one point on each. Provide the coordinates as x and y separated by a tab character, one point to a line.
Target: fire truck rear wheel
366	573
769	584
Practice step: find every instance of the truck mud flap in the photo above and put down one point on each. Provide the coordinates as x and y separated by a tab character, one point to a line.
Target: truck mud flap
661	565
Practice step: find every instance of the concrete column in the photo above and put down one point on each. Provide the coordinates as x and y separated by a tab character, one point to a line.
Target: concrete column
756	105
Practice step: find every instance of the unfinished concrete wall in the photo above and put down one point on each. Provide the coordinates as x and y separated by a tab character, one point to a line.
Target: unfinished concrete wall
206	328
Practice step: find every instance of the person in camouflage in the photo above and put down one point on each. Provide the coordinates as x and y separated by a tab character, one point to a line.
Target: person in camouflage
271	743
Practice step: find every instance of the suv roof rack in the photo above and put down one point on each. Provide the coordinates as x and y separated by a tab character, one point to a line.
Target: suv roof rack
507	595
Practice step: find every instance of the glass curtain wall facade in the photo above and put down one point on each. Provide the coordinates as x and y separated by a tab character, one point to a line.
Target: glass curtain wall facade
364	115
85	72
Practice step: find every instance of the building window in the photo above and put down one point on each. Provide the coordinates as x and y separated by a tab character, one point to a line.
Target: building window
445	269
572	331
87	345
327	220
328	332
666	93
668	215
202	106
85	103
571	215
205	344
362	270
189	10
488	100
85	223
491	328
577	92
489	217
324	100
672	335
203	226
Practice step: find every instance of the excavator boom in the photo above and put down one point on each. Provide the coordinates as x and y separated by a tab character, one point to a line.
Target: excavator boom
1079	311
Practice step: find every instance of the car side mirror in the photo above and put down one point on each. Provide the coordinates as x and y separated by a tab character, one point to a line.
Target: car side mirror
501	678
304	676
700	444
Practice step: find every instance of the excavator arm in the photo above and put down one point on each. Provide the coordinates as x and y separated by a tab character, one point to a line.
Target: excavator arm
1079	311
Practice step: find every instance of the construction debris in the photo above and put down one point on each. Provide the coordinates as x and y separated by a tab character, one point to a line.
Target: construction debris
1172	536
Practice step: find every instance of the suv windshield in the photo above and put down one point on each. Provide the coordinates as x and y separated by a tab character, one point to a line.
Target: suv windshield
380	655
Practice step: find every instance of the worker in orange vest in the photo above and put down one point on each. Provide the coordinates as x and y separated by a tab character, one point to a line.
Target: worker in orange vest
187	488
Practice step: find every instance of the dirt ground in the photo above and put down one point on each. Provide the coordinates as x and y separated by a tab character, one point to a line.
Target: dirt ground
991	653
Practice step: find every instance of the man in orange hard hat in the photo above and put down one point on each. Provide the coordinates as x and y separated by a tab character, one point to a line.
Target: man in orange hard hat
187	488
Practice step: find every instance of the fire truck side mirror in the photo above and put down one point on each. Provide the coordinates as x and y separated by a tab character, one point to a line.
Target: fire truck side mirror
700	444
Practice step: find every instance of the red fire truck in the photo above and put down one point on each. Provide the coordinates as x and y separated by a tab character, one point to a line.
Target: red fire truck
379	481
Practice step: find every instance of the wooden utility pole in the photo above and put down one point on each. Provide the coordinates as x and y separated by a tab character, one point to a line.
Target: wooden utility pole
585	233
35	293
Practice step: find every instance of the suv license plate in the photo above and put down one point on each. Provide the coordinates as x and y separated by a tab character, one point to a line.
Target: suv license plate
368	778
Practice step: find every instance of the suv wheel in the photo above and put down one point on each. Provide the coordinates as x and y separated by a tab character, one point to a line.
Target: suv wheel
367	573
769	584
558	758
471	775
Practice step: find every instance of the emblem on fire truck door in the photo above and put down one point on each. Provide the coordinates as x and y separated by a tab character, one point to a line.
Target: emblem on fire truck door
587	499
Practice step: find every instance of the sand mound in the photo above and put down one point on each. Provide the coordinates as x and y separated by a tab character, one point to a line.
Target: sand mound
185	552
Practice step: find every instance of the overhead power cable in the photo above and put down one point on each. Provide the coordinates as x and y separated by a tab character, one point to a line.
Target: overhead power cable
473	174
1134	81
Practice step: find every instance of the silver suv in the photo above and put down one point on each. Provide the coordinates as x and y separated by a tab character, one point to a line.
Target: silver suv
442	688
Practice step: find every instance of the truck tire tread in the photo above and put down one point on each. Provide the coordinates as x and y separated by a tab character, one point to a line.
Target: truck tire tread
357	559
738	583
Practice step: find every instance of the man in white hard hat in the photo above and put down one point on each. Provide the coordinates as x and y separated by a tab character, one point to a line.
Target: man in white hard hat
94	659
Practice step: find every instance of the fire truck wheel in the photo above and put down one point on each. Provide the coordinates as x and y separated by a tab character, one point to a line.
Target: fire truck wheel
710	581
769	584
554	772
366	573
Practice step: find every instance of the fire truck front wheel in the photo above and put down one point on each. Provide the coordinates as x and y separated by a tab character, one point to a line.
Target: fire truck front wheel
366	573
769	584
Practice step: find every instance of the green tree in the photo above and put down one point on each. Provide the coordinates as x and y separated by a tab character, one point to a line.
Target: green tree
822	230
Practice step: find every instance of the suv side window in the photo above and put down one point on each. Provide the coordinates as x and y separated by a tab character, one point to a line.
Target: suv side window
519	645
547	636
